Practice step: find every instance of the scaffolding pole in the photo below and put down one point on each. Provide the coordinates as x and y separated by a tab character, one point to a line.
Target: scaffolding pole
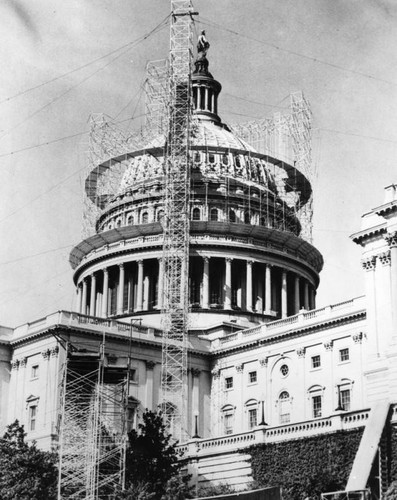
176	223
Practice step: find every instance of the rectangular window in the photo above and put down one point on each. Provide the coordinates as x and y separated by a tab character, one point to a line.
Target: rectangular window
228	420
345	399
35	371
316	401
252	418
316	361
32	417
229	383
344	354
252	377
285	418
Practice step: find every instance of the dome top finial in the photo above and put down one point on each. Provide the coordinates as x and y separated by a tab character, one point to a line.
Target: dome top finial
201	63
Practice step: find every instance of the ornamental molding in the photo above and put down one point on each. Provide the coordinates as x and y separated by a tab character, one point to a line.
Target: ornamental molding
369	264
195	372
239	368
391	239
150	364
329	345
23	362
301	352
385	258
15	364
216	373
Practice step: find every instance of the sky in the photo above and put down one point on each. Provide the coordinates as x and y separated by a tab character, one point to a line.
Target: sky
65	60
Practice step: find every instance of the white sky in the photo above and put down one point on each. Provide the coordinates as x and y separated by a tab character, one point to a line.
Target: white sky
281	46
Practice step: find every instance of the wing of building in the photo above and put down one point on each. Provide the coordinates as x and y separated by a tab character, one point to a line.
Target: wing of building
265	365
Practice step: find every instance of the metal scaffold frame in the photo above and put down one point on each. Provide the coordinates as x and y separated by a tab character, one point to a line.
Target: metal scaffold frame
92	426
175	258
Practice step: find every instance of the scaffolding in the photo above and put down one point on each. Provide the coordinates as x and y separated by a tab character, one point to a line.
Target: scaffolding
175	258
93	424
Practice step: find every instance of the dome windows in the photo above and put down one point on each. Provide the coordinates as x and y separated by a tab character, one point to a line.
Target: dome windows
214	214
196	214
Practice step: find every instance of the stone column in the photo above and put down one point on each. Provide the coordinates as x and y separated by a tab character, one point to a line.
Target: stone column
105	293
84	299
268	289
120	290
93	295
160	284
228	283
199	98
206	282
149	384
146	292
139	301
296	295
306	296
249	286
391	240
284	294
196	399
78	298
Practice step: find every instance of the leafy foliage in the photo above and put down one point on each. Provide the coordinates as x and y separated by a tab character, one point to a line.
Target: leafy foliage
214	490
153	460
306	467
391	493
26	473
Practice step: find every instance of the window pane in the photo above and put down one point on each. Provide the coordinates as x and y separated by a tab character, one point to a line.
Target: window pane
228	382
252	377
316	361
252	418
344	354
345	399
228	420
316	401
32	417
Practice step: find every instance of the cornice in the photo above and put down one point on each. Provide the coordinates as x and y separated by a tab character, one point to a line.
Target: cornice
361	236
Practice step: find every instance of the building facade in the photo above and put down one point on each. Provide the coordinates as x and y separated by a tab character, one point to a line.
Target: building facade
265	364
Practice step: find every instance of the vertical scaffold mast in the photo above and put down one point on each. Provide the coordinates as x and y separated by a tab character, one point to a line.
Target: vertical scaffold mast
175	259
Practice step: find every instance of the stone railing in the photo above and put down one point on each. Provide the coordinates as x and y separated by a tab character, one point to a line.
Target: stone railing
93	323
237	442
303	319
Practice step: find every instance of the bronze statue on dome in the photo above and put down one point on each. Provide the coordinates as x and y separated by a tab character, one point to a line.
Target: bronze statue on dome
201	63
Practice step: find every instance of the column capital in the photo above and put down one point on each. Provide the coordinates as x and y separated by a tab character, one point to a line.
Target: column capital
263	362
140	262
369	264
206	259
391	239
301	352
195	372
385	258
121	265
250	262
15	364
329	345
240	367
150	364
55	351
105	270
93	275
229	259
216	372
358	338
46	354
23	362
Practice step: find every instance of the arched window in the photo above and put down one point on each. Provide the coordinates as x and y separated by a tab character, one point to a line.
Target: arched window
118	223
225	159
251	408
228	418
316	400
130	220
197	157
211	158
232	216
160	215
196	214
145	218
237	161
110	226
214	214
247	217
344	394
285	407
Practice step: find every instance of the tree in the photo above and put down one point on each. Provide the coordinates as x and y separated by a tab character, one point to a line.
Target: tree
26	473
153	460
